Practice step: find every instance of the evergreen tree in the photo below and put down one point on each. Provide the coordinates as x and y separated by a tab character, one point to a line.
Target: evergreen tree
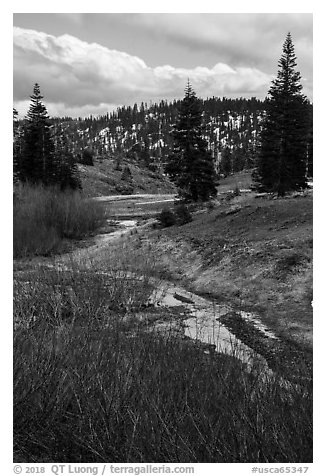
190	165
87	156
45	156
281	164
250	155
226	165
67	176
38	164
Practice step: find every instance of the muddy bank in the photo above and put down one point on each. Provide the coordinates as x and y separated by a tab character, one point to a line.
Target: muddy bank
259	259
226	325
292	361
235	333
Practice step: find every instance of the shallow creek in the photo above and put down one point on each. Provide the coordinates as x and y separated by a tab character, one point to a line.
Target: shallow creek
201	320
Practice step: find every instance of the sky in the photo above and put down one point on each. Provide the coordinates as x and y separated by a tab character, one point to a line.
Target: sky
90	63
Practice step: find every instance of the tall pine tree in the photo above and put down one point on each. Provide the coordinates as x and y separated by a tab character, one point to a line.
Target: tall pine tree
38	164
282	160
190	166
45	157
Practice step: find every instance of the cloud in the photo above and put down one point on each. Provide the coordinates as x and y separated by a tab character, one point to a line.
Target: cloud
60	109
253	39
73	71
81	75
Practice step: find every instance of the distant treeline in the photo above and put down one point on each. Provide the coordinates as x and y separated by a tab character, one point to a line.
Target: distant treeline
143	132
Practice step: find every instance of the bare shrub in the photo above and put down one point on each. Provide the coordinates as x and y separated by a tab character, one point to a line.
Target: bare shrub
43	217
92	393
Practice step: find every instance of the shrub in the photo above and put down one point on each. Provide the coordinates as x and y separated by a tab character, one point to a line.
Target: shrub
95	382
87	157
105	390
180	216
126	174
44	216
183	214
167	218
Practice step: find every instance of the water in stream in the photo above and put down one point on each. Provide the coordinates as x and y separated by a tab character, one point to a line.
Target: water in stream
202	320
203	323
203	316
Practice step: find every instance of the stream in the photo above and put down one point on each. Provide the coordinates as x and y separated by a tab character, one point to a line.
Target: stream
202	316
202	323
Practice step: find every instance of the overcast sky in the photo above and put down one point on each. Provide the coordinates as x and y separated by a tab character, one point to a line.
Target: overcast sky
92	63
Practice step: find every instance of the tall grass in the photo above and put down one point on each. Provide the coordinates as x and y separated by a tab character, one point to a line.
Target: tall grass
43	217
94	383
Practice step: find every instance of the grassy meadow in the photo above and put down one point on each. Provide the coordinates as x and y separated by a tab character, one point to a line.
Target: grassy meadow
97	380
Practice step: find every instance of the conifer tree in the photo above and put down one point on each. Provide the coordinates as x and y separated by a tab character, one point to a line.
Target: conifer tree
67	176
45	157
190	165
38	163
281	164
226	165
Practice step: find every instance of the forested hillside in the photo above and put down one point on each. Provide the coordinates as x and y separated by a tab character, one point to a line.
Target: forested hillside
143	132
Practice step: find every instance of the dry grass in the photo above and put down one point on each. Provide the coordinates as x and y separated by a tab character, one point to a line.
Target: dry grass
251	253
93	383
104	179
43	217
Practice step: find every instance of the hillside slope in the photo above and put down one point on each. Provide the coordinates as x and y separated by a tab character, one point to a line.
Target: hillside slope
254	253
104	179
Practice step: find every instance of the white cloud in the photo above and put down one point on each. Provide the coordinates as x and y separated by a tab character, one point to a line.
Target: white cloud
77	75
59	109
